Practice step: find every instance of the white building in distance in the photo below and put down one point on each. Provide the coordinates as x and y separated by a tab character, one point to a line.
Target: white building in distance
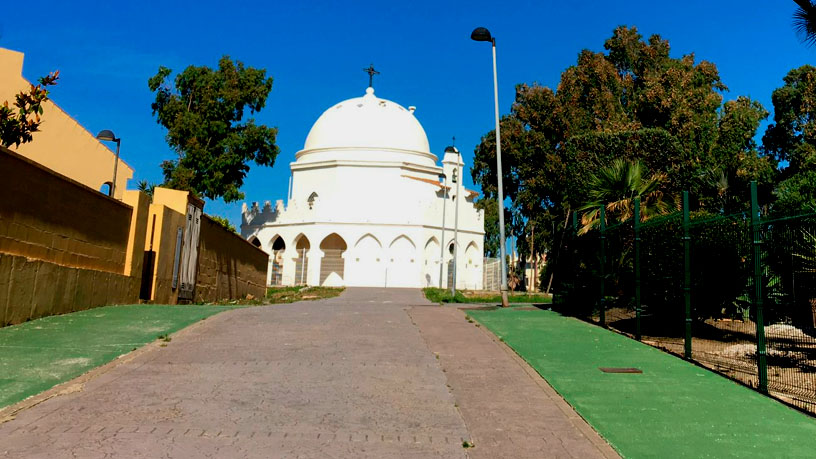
366	206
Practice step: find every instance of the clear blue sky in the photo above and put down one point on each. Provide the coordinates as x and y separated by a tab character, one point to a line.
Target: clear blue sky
315	51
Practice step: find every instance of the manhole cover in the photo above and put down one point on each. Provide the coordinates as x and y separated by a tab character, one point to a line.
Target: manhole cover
620	370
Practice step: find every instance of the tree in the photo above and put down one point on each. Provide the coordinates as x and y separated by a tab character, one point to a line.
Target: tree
203	113
18	124
634	101
616	186
804	21
791	139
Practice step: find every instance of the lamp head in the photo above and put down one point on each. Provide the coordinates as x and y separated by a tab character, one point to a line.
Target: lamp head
107	135
481	34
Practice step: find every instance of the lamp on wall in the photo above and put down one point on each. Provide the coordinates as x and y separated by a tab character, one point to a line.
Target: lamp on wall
108	136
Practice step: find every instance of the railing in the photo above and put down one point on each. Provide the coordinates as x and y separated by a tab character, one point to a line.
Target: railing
698	285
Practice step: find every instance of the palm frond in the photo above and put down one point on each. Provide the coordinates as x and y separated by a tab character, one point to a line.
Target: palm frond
804	21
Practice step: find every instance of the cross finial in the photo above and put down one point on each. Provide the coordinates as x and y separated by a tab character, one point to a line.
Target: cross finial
371	72
453	141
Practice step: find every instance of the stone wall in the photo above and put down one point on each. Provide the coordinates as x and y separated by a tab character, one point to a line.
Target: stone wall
228	265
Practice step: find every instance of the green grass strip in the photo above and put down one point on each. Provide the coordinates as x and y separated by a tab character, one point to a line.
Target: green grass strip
36	356
674	409
438	295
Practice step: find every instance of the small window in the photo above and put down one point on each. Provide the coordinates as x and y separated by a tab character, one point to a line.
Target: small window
106	188
312	199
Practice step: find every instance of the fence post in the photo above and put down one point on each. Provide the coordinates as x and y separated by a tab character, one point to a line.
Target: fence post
687	272
637	267
574	259
762	363
602	303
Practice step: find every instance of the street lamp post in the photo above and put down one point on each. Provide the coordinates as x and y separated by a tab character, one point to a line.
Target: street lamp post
108	136
442	241
457	179
482	34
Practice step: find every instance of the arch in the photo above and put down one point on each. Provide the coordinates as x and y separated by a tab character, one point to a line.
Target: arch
400	240
367	263
365	239
471	274
302	247
255	241
431	262
403	270
276	260
332	266
312	199
106	188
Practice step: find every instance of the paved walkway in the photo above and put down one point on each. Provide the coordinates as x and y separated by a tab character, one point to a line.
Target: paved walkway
346	377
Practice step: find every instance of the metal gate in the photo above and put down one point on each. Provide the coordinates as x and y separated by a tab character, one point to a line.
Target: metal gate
189	253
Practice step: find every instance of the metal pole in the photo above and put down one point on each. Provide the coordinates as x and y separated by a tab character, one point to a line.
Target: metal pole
762	364
456	222
687	273
115	166
505	302
637	268
442	242
603	267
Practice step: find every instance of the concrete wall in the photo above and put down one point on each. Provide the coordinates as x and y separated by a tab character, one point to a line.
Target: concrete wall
52	218
228	265
62	144
63	246
31	288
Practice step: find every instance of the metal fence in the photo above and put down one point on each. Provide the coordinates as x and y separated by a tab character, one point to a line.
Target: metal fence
491	274
698	285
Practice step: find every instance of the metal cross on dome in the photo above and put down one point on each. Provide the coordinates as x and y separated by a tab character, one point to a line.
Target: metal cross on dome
371	72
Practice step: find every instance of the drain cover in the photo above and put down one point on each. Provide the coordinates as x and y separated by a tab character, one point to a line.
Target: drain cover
620	370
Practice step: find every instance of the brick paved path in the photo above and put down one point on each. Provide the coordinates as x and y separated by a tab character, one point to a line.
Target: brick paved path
346	377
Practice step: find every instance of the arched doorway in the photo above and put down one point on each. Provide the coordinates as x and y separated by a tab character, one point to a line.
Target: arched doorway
368	266
278	249
332	266
472	261
402	266
301	258
431	257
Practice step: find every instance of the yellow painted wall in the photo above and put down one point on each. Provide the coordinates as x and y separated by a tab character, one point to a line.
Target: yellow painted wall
62	144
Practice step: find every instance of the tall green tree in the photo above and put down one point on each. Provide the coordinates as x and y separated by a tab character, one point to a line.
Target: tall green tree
21	120
203	111
633	101
791	139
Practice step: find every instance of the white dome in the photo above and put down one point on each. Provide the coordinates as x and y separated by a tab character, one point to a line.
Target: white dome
367	122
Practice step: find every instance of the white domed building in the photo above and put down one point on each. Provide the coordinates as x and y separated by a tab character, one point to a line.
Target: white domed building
366	206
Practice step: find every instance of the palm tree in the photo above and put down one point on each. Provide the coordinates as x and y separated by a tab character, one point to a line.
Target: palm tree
616	186
804	21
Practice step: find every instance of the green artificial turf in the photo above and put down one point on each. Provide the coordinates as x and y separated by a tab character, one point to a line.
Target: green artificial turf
35	356
673	409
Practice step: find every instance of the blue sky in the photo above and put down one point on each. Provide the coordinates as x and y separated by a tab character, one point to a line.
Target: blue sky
315	51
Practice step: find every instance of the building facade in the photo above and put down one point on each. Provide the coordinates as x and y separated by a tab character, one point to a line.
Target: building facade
366	206
62	144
